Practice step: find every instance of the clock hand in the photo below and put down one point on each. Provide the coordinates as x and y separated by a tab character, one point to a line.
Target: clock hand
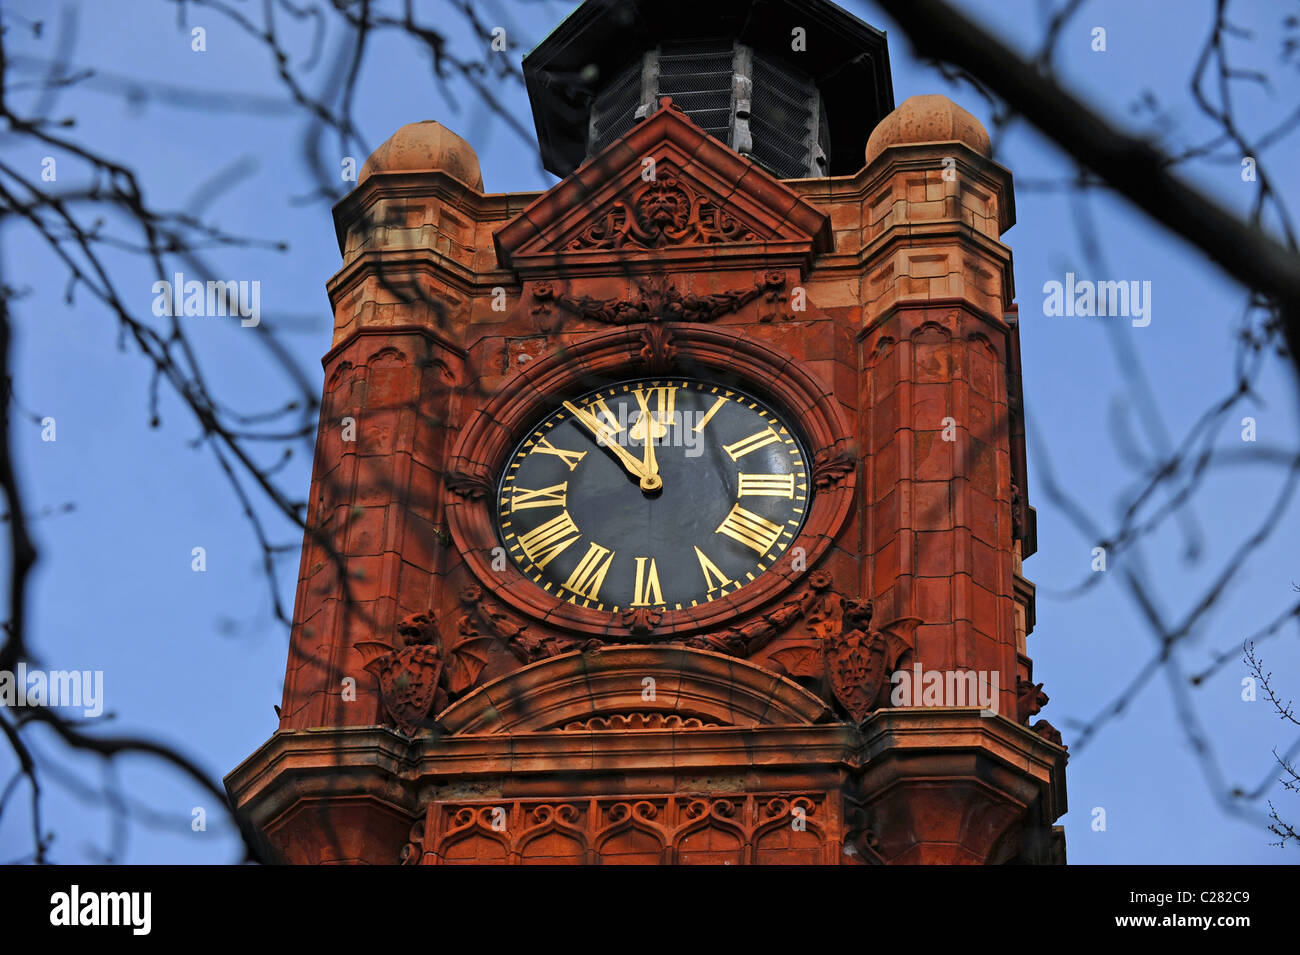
606	439
650	479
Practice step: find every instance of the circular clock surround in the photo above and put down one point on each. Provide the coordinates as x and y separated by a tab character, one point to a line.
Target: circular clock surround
663	493
727	359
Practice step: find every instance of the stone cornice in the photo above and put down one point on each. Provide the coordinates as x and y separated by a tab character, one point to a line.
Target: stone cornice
906	734
406	260
380	763
995	322
387	331
740	257
868	181
482	207
926	232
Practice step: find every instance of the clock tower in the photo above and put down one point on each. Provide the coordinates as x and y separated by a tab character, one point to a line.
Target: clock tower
675	514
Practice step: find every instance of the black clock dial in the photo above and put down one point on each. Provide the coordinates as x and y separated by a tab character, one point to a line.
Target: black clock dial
653	493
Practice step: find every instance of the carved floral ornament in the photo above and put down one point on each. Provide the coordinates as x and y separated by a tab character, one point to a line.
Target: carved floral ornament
666	212
660	301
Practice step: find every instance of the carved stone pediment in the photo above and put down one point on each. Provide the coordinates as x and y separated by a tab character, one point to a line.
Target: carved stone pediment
665	193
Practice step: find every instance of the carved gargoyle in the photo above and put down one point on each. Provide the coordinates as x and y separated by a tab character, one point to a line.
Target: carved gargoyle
665	213
1048	732
856	658
859	658
1030	698
413	679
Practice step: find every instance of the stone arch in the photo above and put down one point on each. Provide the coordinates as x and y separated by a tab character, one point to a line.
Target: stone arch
471	838
882	349
388	356
714	836
340	374
778	841
555	837
712	687
931	331
633	837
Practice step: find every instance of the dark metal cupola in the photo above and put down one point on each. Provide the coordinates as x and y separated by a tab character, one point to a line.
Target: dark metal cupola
796	86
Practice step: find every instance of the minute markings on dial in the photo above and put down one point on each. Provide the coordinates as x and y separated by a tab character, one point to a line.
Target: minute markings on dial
734	495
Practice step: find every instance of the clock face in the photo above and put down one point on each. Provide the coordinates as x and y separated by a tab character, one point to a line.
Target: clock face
653	493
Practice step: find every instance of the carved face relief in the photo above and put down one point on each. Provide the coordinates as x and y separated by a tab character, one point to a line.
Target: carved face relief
662	207
653	495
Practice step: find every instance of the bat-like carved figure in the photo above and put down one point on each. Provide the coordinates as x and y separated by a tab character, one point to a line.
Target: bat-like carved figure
413	677
859	659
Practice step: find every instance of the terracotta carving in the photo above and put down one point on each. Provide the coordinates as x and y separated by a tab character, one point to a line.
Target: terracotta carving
706	828
832	465
666	212
639	721
658	302
473	485
1048	732
860	659
481	616
414	679
1030	698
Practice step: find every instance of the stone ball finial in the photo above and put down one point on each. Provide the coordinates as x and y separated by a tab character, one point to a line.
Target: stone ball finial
928	119
424	146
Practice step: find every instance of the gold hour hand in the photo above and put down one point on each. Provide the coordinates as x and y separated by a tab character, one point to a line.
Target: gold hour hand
646	426
605	438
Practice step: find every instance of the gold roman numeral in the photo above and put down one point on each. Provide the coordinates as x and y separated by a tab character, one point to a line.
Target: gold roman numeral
553	496
765	485
647	593
710	572
750	529
600	411
590	573
760	439
665	400
653	425
546	541
708	415
571	458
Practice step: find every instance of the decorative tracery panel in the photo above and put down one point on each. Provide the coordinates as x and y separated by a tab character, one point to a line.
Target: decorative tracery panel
729	829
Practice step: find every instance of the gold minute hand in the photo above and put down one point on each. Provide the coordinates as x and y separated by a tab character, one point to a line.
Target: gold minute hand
605	438
650	479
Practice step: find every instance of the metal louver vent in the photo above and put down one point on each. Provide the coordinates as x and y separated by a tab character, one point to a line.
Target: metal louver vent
784	119
698	76
756	105
614	111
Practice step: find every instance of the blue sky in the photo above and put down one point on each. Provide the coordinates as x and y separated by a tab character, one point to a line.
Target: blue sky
196	659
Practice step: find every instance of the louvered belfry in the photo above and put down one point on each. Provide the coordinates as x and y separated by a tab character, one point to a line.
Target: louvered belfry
754	103
743	73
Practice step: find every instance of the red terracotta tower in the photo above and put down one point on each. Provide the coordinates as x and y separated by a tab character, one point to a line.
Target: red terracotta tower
675	514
